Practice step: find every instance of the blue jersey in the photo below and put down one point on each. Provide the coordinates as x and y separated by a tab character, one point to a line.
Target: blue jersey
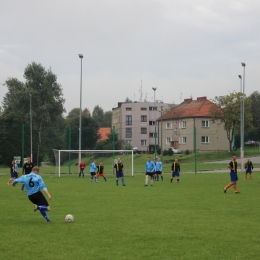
93	167
15	168
149	167
33	183
158	166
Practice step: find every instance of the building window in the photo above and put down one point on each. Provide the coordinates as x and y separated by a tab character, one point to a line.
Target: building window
128	120
128	141
128	132
151	122
143	108
183	124
153	134
205	139
175	134
143	142
176	122
152	108
128	109
175	129
143	118
168	140
183	140
204	123
168	126
143	130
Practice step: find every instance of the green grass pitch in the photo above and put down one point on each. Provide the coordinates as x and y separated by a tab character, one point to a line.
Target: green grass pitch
190	220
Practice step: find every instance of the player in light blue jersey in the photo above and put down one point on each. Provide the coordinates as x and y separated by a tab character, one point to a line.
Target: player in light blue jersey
159	167
154	171
92	170
34	183
149	171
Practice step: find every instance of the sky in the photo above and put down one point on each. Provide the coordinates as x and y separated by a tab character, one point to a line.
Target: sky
182	48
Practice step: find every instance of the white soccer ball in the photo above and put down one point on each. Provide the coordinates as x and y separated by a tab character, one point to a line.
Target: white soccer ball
69	218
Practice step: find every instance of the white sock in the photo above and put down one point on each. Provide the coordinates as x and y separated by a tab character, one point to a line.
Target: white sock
146	179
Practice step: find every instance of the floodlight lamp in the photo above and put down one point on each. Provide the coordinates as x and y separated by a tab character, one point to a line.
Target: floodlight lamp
243	64
81	56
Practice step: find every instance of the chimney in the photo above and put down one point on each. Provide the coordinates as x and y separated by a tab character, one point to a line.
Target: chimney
202	98
188	100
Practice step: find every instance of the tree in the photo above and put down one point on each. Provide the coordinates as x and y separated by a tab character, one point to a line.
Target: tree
254	135
128	100
89	129
98	115
255	108
75	113
108	119
47	107
227	110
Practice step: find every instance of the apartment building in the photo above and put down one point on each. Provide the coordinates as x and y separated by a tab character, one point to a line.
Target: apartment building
135	123
191	121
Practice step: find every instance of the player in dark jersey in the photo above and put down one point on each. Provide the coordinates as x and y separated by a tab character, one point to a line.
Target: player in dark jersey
249	168
119	169
233	175
176	170
100	171
13	172
27	168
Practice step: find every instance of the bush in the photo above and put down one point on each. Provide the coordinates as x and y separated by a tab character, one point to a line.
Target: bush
165	152
170	152
187	152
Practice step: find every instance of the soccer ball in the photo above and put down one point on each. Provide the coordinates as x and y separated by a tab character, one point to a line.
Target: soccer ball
69	218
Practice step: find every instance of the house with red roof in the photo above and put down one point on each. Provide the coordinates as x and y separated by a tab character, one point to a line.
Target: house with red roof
189	125
103	132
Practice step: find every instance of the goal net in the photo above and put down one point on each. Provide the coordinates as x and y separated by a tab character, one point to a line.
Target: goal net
67	161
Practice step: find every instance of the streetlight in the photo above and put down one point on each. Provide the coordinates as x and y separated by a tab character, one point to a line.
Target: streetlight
80	108
154	89
243	118
30	124
161	111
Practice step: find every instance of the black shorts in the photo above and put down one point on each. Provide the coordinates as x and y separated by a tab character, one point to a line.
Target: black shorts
158	172
93	173
150	173
38	199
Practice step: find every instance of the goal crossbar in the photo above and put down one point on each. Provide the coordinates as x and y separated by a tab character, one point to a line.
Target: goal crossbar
95	151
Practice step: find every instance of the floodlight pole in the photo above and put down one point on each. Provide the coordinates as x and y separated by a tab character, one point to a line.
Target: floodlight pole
243	117
30	125
161	111
154	89
241	121
80	108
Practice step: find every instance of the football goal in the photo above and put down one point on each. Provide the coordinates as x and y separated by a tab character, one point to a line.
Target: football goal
67	161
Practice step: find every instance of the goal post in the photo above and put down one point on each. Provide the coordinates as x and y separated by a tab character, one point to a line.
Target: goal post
64	156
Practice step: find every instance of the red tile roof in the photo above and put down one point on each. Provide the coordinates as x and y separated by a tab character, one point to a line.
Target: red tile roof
190	108
104	131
